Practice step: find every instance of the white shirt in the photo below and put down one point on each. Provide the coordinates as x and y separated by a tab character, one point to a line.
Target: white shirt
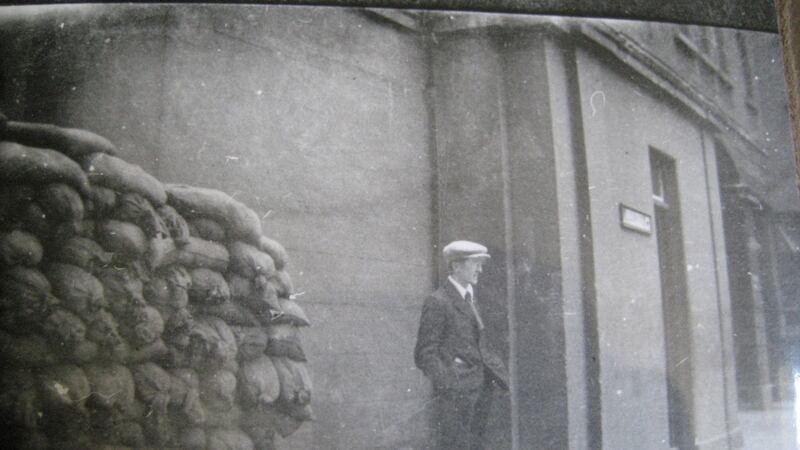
461	290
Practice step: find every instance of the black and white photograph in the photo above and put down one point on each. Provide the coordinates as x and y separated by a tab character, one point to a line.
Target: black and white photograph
241	227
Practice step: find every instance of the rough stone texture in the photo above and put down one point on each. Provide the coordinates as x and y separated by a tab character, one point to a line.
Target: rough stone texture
788	19
317	120
313	118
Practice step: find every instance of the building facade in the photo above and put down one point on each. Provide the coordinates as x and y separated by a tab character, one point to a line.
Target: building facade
629	180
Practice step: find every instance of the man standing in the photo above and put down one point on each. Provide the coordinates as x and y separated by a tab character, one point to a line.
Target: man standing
453	352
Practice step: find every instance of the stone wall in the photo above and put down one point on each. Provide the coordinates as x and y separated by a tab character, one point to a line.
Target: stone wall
315	118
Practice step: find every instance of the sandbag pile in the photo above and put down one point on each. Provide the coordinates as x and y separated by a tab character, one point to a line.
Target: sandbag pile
135	313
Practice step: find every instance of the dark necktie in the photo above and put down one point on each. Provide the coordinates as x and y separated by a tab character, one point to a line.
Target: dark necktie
471	302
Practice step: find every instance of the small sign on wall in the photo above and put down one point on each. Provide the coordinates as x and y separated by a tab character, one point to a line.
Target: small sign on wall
635	220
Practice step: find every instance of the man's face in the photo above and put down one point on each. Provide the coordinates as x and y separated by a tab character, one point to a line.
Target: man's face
467	271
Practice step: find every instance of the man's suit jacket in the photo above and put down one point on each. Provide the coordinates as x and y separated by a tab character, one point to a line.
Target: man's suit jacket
451	350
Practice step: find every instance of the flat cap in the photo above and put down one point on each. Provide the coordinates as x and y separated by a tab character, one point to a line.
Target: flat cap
458	250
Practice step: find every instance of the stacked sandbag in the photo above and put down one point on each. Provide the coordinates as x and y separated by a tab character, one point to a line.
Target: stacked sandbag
137	314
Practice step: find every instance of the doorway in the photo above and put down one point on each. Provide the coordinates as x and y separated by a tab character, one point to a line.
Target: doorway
674	300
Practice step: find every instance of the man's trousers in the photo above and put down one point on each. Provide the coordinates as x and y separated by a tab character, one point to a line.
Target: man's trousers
460	417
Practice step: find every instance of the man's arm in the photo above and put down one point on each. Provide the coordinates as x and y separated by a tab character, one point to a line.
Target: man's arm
494	363
429	340
497	369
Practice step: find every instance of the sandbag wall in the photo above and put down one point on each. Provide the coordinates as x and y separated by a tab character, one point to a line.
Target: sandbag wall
135	313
